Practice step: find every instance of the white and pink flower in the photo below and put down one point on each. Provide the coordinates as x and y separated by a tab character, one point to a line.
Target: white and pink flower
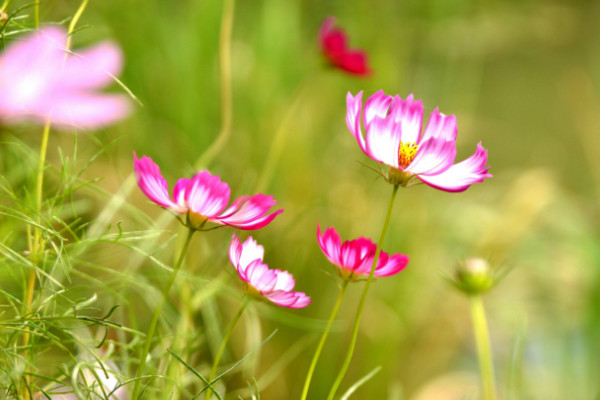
393	137
272	284
40	80
355	257
203	198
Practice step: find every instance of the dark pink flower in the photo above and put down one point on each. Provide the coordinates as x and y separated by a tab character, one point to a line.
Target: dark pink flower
203	198
40	80
393	137
355	257
334	46
272	284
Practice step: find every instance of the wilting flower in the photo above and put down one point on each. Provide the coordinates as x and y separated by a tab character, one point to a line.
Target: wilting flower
355	257
203	198
272	284
393	137
334	47
41	80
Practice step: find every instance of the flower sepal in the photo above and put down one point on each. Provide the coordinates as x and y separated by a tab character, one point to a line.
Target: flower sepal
398	177
475	276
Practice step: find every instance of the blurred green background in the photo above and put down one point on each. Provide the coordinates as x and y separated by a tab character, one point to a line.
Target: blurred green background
521	77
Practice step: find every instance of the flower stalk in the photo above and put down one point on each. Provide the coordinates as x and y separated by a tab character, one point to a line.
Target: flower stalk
232	325
313	364
363	298
156	315
484	353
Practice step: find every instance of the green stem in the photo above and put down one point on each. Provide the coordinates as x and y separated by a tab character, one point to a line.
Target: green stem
313	364
156	315
482	339
225	77
363	297
232	324
74	21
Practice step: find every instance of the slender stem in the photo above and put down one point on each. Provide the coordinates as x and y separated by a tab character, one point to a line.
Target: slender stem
225	76
232	324
363	297
313	364
74	21
36	14
482	339
156	315
36	242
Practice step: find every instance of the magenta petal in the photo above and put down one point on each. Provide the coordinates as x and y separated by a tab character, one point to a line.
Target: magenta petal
330	243
179	191
383	140
391	265
461	175
207	195
250	212
410	114
289	299
152	184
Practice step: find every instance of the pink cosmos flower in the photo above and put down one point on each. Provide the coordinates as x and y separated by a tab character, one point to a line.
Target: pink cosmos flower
40	80
393	137
203	198
273	284
333	44
355	257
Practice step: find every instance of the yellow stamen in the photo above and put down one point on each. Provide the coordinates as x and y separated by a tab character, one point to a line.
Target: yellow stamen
407	153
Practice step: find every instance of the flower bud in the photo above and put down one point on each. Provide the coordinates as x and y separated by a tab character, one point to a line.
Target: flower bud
474	276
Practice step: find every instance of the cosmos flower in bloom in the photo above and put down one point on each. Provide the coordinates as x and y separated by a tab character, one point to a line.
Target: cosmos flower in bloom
355	257
333	44
40	80
272	284
203	198
393	137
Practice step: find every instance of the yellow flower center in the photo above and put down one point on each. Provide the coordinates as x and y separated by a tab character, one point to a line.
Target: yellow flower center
407	153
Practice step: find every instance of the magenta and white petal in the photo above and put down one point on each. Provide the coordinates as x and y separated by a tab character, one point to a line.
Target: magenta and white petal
260	277
461	175
376	106
84	110
207	195
152	183
440	126
249	212
353	110
434	156
242	255
410	115
94	67
383	140
179	191
289	299
285	281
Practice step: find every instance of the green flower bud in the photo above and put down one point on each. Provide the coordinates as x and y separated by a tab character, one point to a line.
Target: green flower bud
474	276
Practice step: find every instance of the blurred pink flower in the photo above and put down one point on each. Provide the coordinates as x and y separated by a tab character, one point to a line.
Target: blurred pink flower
333	44
393	137
40	80
203	198
272	284
355	257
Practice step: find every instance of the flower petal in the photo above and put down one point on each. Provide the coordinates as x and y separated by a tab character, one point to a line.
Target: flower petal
330	243
289	299
152	183
440	126
83	110
410	114
353	109
94	67
383	140
387	266
207	195
376	106
242	255
434	156
249	212
461	175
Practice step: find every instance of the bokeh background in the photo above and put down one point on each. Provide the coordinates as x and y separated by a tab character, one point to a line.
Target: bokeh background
521	77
